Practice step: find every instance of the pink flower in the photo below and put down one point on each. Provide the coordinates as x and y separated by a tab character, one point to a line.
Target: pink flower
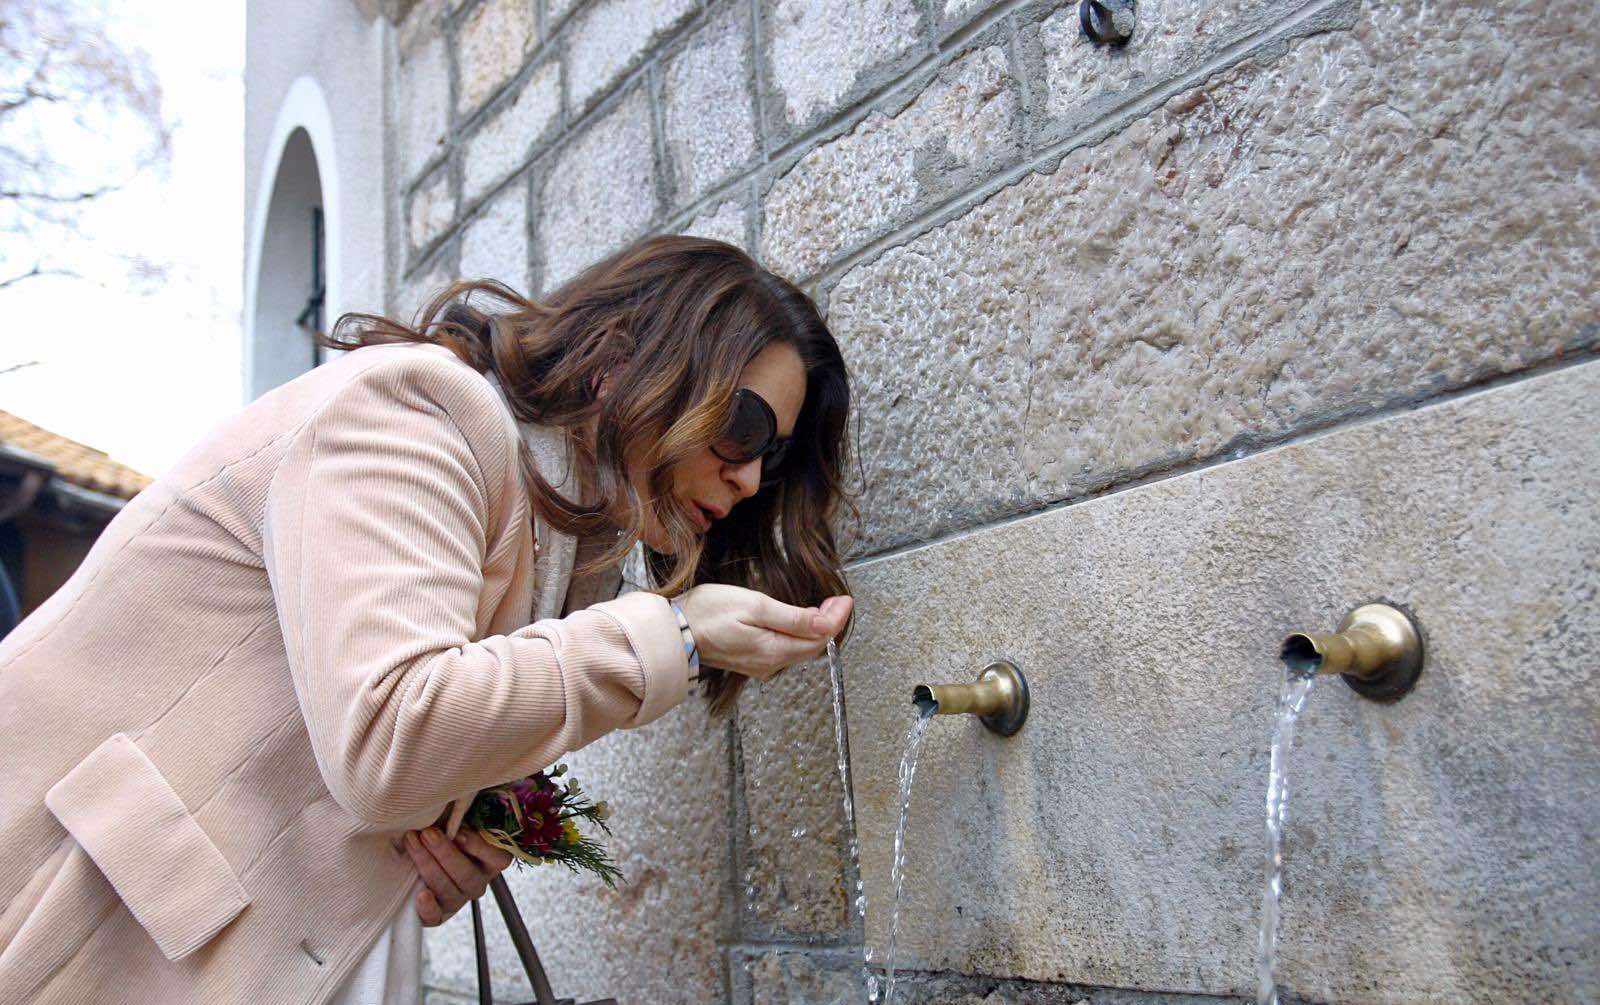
541	818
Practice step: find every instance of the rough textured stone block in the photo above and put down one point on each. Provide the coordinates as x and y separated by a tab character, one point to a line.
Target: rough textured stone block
955	10
420	287
841	194
502	144
727	223
433	209
425	18
1440	848
654	939
709	107
422	104
611	37
495	245
556	11
1291	242
819	978
601	193
823	53
495	39
791	978
797	846
1170	36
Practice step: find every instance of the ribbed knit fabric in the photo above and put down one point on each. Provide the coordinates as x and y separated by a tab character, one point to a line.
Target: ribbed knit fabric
310	635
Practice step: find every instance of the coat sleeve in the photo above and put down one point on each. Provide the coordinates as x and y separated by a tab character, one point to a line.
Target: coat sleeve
376	535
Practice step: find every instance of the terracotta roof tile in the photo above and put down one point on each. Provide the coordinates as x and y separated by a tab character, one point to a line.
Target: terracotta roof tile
74	462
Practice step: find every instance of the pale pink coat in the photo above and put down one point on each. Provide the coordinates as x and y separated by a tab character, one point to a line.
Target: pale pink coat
310	635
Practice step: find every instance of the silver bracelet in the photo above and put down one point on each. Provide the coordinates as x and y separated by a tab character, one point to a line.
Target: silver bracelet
691	651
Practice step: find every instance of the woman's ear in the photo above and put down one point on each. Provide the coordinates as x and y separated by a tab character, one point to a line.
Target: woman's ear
600	384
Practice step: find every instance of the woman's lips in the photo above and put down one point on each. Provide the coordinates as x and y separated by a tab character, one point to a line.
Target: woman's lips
703	516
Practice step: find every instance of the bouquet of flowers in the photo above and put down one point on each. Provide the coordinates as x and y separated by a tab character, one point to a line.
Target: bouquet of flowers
536	821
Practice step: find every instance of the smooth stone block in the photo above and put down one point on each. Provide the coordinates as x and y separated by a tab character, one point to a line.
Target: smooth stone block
1441	848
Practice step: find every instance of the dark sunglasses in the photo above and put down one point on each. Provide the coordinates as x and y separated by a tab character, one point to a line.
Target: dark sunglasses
752	432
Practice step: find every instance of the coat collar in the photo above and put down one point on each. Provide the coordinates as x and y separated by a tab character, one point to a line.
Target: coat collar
556	553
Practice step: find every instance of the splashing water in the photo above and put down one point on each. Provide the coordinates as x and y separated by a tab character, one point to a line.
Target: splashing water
1292	696
897	874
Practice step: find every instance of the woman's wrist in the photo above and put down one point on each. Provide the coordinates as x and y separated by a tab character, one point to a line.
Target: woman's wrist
691	651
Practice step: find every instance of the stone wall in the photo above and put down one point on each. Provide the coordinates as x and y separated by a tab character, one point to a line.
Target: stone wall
1281	307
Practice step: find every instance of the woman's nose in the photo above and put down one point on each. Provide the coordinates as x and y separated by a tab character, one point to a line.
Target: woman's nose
745	478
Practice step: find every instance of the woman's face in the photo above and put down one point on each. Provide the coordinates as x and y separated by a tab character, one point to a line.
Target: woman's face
709	486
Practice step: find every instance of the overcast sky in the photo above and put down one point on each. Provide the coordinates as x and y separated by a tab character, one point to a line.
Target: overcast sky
144	375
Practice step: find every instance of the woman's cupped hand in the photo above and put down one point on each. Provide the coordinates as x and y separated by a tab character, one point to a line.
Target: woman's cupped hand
749	633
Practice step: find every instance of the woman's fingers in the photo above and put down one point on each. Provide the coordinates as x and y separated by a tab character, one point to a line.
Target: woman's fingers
490	859
833	614
802	622
468	878
779	651
447	896
822	622
750	633
452	872
796	634
836	611
428	908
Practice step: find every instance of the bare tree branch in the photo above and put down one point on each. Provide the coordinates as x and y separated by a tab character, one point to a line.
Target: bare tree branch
35	273
65	87
53	197
31	89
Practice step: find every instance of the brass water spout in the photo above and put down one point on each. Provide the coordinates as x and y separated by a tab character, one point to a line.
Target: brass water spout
1377	650
999	697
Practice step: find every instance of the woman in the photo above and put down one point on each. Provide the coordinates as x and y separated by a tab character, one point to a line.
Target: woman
311	639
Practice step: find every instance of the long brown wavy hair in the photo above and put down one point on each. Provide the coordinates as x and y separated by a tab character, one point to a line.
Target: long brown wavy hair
673	322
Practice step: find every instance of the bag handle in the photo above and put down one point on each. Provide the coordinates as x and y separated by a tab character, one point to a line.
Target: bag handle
519	938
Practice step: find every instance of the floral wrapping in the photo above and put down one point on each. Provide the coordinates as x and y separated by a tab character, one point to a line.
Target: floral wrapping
536	821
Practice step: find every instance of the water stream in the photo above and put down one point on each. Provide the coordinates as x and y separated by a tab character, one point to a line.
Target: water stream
1292	696
897	874
908	770
841	742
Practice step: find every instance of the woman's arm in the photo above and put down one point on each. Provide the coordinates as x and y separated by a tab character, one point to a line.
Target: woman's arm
377	533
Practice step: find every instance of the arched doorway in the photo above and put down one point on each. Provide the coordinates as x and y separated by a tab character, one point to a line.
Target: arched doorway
291	280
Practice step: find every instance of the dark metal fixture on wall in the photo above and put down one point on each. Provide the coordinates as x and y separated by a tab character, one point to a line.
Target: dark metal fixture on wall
1108	22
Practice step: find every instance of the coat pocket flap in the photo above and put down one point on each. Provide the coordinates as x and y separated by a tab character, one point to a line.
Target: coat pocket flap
120	809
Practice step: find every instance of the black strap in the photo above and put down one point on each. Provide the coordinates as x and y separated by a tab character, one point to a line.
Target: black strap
485	992
519	938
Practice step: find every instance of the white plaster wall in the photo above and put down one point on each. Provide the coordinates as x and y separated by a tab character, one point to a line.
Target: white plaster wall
296	48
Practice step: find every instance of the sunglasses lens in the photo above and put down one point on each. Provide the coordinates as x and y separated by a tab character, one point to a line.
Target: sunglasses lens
750	429
772	464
